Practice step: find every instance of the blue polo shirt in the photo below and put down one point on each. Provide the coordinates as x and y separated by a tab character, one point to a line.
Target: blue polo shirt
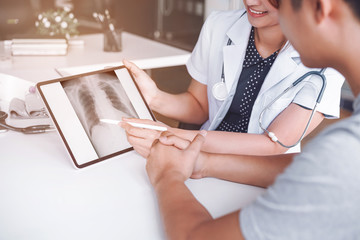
318	195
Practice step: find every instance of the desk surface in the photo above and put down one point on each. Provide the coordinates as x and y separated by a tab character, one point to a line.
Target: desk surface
42	196
145	52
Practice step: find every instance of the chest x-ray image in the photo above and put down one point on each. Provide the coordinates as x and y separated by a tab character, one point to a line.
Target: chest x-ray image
101	96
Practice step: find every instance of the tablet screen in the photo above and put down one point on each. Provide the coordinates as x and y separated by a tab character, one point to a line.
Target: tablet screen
77	103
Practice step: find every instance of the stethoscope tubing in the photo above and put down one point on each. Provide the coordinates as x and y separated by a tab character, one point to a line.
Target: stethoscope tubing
26	130
271	135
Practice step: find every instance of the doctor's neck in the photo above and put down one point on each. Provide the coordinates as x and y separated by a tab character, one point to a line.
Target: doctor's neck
269	39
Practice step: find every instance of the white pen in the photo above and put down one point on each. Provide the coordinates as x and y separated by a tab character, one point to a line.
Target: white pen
139	125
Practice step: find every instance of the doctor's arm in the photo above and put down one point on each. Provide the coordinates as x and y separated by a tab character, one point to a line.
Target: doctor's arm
258	171
288	127
190	106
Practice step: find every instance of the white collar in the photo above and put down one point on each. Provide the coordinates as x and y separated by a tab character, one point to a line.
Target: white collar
238	37
286	63
237	30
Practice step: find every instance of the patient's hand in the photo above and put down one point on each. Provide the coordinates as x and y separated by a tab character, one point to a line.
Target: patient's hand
167	162
169	139
141	139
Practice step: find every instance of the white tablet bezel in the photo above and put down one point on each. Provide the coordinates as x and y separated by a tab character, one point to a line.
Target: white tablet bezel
68	124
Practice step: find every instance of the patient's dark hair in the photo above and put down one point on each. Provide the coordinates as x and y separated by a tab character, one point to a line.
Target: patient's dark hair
296	4
353	4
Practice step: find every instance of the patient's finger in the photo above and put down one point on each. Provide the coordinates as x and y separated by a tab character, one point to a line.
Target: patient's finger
166	134
196	144
176	141
156	141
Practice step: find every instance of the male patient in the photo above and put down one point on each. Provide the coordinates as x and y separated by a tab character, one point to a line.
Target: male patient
314	195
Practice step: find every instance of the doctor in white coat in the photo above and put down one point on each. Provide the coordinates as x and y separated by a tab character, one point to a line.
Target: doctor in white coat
222	48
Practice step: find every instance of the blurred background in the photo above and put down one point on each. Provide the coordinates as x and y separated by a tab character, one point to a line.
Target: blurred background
176	22
173	22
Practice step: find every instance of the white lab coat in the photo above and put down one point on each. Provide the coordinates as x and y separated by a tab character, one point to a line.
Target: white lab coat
211	50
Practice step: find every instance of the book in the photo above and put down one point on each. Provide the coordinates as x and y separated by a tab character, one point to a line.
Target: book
39	46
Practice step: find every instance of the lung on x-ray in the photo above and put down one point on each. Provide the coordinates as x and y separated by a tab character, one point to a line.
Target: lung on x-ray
100	96
76	105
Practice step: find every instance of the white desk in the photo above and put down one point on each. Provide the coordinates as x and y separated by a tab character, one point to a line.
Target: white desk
42	196
146	53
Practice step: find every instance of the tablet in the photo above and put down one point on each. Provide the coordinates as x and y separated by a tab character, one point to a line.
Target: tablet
77	103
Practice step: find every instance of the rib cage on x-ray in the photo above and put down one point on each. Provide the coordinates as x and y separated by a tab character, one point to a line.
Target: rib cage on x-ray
101	96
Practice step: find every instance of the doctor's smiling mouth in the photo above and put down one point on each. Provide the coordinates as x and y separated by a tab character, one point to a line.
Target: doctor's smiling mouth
256	13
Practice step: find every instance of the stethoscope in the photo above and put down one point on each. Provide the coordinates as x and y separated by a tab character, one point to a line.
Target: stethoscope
272	135
219	91
27	130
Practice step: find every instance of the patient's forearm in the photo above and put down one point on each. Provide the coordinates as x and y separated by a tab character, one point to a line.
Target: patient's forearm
253	170
180	211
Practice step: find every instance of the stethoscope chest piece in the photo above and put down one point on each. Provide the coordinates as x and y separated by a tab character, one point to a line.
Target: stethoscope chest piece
219	91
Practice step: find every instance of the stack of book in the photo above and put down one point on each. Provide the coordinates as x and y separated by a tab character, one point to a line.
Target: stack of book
39	46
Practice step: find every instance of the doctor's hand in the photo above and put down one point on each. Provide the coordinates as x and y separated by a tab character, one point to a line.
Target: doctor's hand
166	162
147	86
141	139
